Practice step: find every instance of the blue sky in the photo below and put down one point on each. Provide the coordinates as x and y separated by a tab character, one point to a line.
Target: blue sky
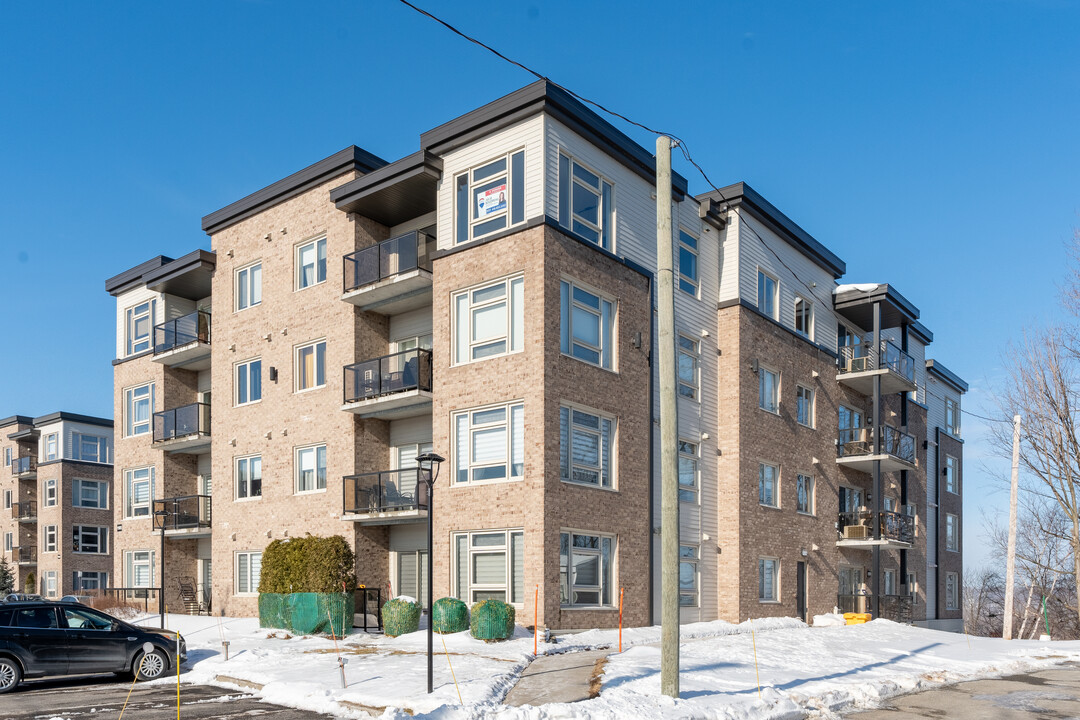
931	145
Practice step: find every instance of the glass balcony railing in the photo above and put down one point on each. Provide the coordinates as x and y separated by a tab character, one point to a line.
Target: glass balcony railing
387	375
854	442
23	465
193	327
189	512
183	422
389	491
386	259
860	358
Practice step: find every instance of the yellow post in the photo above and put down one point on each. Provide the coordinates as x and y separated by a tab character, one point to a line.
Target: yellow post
757	674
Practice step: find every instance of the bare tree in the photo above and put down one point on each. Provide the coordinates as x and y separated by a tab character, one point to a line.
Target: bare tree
983	599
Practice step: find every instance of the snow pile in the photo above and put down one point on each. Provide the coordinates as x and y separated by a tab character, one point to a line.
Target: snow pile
861	287
829	620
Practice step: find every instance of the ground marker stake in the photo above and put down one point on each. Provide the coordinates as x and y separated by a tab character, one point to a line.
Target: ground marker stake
536	618
451	670
340	660
757	674
620	618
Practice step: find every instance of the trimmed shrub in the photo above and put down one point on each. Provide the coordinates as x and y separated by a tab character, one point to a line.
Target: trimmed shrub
492	620
449	615
310	564
400	617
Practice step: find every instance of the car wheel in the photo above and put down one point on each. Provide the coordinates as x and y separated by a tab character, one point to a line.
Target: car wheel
10	675
151	666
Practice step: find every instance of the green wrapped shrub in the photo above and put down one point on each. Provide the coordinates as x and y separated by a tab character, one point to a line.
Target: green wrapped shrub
400	617
492	620
450	615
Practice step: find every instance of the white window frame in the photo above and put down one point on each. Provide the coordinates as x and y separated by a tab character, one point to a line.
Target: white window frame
512	538
570	429
763	371
804	314
246	465
807	395
774	300
689	454
49	493
79	580
952	532
7	499
567	584
135	344
97	488
101	443
913	586
605	308
514	454
318	483
244	369
688	247
80	533
952	579
770	594
51	447
133	398
253	272
313	346
139	558
9	541
952	484
603	191
7	457
762	485
131	507
420	560
689	595
509	176
319	264
952	417
249	578
48	538
689	384
810	482
49	583
466	343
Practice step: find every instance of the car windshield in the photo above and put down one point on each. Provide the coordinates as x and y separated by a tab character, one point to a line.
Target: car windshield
79	619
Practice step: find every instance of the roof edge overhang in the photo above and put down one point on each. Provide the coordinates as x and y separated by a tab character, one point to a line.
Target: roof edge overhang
188	276
946	375
16	420
133	277
899	310
421	169
921	332
72	417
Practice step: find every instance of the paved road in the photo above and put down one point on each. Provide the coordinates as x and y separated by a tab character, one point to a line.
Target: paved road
1046	695
102	697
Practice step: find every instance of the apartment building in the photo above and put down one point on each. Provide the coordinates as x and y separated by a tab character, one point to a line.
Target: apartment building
56	521
491	298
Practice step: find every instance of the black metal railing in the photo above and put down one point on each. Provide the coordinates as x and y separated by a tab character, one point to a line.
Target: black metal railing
26	554
388	491
407	370
859	358
25	464
861	441
386	259
193	327
368	608
184	513
894	526
26	510
895	607
140	598
181	422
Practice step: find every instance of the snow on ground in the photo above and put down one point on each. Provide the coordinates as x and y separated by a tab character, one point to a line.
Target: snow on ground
820	669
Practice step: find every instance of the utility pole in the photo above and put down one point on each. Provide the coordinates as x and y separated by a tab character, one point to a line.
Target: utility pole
1010	563
669	430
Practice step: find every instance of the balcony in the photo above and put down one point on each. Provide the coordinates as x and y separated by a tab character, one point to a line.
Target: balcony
184	342
391	277
859	449
859	365
189	516
25	511
185	429
384	498
895	607
26	555
390	387
856	530
24	467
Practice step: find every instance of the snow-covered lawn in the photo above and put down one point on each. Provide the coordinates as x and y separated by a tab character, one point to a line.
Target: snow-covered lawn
822	669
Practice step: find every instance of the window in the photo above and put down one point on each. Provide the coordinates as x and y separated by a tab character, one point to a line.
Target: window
90	494
138	407
139	324
952	532
769	390
249	476
85	619
138	490
804	405
139	568
889	583
310	468
490	565
249	286
952	591
767	295
850	499
7	499
951	479
585	442
688	576
7	457
585	570
52	442
49	584
412	574
49	538
88	539
913	587
311	366
248	567
688	367
767	485
768	579
490	198
952	417
489	320
586	203
587	325
405	455
310	263
804	494
688	471
248	381
688	263
81	581
850	422
804	317
489	443
50	493
9	541
90	448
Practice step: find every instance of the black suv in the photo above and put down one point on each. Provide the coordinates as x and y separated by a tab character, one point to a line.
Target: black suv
39	638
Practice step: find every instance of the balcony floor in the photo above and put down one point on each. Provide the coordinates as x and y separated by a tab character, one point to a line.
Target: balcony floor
410	403
193	356
863	382
187	445
870	543
396	517
395	294
28	475
187	533
865	463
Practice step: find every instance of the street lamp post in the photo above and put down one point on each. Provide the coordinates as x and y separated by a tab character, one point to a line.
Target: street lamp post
429	468
161	515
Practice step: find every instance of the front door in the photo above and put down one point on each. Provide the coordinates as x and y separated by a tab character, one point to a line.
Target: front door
800	590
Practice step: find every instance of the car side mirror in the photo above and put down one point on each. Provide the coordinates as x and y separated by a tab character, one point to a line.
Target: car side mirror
115	626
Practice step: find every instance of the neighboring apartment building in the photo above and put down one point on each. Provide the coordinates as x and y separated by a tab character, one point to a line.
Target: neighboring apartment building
491	298
56	521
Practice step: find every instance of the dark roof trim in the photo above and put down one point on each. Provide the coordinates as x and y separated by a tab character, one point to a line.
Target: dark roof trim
882	293
134	277
16	420
419	163
545	97
72	417
943	373
350	159
921	332
741	194
195	260
27	434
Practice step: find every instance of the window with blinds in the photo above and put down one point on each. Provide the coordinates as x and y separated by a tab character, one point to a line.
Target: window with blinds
248	567
768	580
412	575
585	447
585	570
490	565
489	444
489	320
139	568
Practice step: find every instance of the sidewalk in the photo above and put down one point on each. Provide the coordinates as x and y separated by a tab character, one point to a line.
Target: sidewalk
568	677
